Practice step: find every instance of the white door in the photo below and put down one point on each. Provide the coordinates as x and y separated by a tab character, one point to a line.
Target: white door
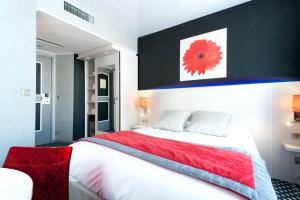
104	102
108	98
43	100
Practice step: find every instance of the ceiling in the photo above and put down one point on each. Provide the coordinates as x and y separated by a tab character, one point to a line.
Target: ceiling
144	17
156	15
67	38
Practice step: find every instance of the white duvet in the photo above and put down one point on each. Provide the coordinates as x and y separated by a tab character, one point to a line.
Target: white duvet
117	176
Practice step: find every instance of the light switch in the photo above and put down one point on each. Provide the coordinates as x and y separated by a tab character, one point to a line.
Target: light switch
25	92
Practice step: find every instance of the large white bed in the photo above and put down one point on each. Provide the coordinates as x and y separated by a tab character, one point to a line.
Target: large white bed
101	172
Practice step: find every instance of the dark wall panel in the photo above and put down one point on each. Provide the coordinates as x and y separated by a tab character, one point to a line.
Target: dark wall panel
103	111
263	44
37	116
103	91
78	116
38	78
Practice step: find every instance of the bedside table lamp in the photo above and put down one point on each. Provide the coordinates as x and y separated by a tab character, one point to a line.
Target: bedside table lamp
296	107
143	105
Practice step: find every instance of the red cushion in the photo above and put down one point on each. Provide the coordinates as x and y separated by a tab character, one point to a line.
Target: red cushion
47	166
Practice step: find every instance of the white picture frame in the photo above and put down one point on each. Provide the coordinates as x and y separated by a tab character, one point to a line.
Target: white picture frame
210	46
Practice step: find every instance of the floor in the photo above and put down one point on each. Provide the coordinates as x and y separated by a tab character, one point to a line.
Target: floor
286	190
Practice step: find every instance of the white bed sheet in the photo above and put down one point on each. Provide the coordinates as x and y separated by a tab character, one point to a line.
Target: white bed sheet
77	191
114	175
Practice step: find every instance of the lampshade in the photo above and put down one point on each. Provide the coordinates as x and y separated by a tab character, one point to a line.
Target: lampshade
143	102
296	103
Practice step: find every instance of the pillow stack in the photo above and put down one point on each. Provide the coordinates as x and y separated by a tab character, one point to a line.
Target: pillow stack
204	122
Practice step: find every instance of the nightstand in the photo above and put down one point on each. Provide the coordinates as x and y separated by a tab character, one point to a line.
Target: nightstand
138	126
100	132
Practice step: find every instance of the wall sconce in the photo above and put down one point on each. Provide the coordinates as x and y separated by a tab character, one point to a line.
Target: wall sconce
296	107
143	104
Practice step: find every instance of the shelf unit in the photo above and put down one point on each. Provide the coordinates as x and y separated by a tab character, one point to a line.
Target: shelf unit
90	97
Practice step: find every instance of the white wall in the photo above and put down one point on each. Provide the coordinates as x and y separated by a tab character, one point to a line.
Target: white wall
115	21
64	88
282	161
264	108
129	88
17	70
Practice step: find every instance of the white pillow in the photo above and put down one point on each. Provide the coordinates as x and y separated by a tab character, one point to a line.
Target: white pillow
210	123
172	120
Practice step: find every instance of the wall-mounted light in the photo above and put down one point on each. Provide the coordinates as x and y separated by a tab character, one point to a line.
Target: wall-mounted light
296	107
143	105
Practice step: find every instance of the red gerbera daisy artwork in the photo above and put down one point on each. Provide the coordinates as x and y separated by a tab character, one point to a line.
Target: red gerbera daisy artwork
204	56
201	56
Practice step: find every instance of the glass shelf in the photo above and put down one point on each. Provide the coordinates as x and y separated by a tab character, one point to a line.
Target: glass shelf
292	146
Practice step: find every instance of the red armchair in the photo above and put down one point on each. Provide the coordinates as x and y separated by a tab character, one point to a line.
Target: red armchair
47	166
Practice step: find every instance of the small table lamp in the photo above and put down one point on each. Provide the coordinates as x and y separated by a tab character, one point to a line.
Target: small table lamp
296	107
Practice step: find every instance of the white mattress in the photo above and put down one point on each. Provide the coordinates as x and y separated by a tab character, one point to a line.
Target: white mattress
114	175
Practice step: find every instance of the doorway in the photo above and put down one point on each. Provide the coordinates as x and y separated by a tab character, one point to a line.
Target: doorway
43	100
75	99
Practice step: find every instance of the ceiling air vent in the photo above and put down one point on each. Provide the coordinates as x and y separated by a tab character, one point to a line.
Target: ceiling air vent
78	12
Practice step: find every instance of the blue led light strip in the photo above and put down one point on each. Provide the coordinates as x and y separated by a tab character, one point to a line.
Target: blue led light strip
240	82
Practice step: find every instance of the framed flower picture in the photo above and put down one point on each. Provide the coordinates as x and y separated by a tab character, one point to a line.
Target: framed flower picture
204	56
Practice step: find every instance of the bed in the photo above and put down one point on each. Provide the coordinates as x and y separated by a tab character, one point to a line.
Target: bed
100	172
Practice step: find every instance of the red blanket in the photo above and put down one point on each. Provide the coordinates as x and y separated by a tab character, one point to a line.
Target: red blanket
226	163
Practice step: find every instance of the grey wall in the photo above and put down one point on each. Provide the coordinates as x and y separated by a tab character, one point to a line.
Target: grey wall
17	70
64	86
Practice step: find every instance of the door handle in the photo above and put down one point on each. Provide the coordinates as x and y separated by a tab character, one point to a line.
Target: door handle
39	98
115	100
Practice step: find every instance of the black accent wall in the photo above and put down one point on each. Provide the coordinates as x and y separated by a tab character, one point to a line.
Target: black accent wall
263	43
78	115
